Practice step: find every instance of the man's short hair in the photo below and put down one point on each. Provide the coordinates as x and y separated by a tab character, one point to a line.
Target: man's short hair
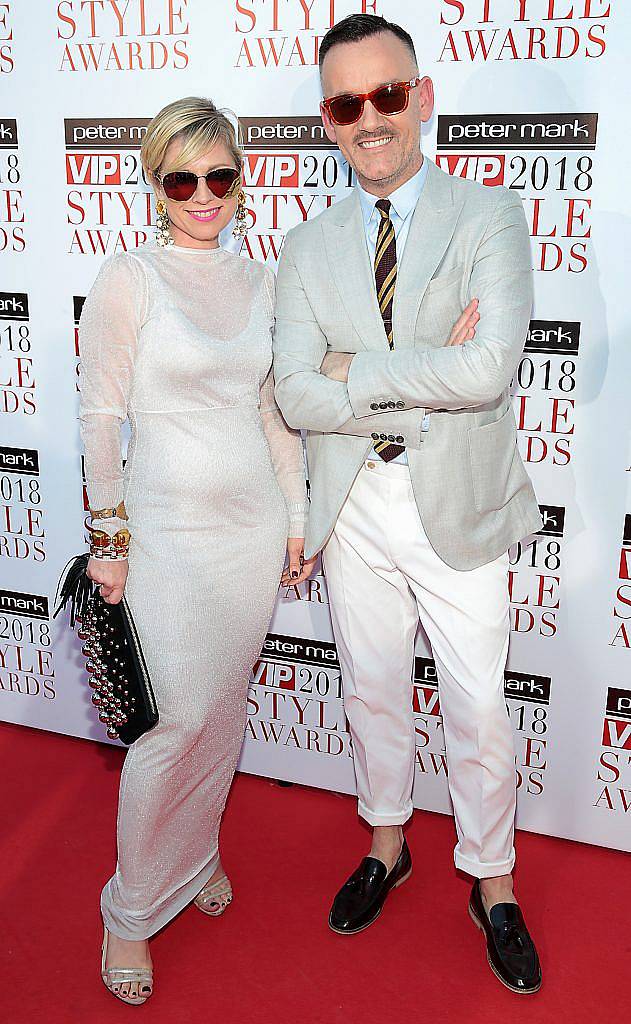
361	26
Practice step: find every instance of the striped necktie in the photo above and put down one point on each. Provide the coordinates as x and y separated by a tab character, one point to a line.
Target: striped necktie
385	282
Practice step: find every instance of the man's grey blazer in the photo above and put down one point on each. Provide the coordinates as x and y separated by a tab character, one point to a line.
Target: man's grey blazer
465	241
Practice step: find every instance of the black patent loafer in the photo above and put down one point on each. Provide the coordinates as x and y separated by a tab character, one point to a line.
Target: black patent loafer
509	949
360	900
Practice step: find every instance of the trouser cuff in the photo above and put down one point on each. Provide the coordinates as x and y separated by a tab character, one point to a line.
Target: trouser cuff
380	818
484	870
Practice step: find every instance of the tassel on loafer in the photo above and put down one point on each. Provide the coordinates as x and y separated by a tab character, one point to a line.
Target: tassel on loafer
510	951
360	900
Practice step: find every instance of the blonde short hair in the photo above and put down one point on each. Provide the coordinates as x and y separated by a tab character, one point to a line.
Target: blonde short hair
198	123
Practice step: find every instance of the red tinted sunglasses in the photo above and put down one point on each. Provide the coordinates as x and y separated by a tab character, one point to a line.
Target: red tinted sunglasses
387	99
223	182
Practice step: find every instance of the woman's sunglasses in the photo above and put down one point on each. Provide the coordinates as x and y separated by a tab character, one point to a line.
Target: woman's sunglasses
223	182
387	99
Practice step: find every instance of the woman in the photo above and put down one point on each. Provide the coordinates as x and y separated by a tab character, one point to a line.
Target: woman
176	337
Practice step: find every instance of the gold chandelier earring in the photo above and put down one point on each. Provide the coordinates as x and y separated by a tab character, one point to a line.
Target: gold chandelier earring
163	235
240	217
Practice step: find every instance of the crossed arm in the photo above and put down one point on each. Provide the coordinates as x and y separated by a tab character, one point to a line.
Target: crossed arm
336	365
466	372
306	397
472	374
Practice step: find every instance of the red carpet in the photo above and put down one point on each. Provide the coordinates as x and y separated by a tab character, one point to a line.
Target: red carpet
271	957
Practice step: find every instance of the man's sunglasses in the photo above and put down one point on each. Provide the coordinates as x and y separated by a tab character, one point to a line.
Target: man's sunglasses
223	182
387	99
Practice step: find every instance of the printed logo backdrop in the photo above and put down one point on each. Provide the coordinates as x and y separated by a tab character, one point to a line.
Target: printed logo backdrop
527	98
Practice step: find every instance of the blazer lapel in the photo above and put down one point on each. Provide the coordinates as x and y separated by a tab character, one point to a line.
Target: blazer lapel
352	271
433	224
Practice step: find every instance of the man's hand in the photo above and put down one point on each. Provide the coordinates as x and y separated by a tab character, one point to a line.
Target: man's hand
464	327
336	365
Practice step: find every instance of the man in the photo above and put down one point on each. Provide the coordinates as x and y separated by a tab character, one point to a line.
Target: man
417	486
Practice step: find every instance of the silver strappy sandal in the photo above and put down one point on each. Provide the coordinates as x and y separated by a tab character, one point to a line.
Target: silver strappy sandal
125	975
215	898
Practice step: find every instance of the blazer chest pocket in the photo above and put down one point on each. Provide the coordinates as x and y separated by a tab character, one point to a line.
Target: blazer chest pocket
441	281
496	467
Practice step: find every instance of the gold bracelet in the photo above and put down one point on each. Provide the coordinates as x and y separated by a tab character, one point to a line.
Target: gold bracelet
119	512
104	546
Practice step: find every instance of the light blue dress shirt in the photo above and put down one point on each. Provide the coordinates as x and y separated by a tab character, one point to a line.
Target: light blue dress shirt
403	200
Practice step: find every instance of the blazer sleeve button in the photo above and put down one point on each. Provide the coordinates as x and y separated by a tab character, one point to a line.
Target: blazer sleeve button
400	438
383	405
375	437
374	406
400	405
391	437
384	437
391	405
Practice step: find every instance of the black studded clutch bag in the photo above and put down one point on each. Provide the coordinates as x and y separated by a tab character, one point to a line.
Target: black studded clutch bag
116	667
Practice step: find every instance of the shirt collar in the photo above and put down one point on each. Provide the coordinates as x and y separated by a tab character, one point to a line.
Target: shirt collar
403	199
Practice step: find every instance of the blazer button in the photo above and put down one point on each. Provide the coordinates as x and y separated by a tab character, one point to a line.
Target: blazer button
374	406
383	405
375	437
391	405
391	437
400	438
384	437
400	405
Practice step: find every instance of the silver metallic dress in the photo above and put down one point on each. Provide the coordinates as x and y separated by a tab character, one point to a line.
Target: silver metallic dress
179	342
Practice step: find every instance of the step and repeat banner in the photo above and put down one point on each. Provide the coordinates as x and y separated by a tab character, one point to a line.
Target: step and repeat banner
528	97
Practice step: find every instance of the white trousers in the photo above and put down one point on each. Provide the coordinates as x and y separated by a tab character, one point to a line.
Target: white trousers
382	576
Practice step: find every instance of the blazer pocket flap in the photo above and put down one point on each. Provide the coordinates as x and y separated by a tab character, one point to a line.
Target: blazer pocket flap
444	280
496	467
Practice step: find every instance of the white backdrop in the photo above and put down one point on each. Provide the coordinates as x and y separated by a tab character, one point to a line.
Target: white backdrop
527	96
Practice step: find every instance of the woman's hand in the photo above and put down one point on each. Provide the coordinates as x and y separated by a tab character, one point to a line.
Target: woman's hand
112	577
298	569
464	327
